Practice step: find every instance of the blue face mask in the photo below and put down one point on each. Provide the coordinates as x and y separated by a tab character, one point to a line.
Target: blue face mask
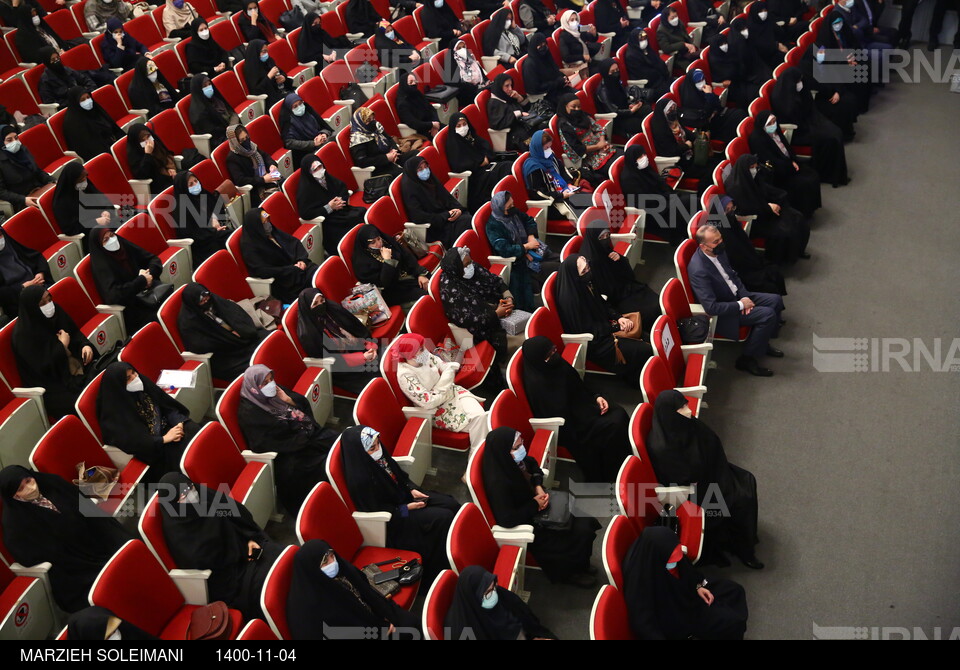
424	174
208	91
390	34
837	26
490	600
331	570
195	189
771	128
264	57
821	56
671	566
438	3
299	111
520	454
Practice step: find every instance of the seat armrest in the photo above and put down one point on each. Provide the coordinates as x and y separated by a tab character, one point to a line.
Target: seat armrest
702	348
542	204
502	260
373	527
119	457
116	310
192	584
39	570
461	175
325	363
258	457
695	391
576	338
191	356
29	391
417	412
548	423
183	243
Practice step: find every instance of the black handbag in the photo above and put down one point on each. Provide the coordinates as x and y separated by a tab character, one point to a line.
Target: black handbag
376	187
559	512
353	92
694	329
441	94
154	296
509	156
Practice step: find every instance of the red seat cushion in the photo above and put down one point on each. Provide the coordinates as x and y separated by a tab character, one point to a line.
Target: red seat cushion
389	328
561	227
451	440
7	411
367	555
176	628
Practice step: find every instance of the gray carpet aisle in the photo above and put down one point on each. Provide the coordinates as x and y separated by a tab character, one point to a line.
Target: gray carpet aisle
856	470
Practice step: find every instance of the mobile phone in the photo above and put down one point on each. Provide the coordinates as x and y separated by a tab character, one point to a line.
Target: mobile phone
386	576
257	553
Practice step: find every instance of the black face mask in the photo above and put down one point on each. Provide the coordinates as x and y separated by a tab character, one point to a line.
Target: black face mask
555	360
246	144
56	67
510	212
671	116
606	243
542	50
586	277
321	309
719	249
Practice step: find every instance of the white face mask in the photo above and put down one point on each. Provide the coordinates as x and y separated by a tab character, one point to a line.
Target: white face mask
508	24
799	86
643	44
724	48
114	636
144	143
270	390
318	173
745	33
82	186
463	131
3	243
331	570
113	244
574	25
423	357
462	53
753	172
135	386
643	163
48	310
251	12
675	21
377	455
36	20
762	16
548	153
203	34
152	76
192	497
468	271
87	104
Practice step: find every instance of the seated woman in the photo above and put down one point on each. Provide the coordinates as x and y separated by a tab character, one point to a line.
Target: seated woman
199	215
50	351
248	165
727	68
255	26
837	101
765	34
210	113
684	451
362	17
420	519
20	268
142	420
613	98
57	78
475	299
317	45
149	158
98	12
45	519
596	431
150	90
413	108
392	50
326	329
536	15
548	179
466	73
230	543
34	33
209	324
468	152
672	139
203	53
503	39
791	102
428	382
120	50
802	183
668	599
791	13
577	49
644	62
673	40
427	201
319	193
513	234
667	210
371	146
513	483
482	610
440	22
120	271
78	205
263	76
97	624
703	11
176	17
541	74
742	46
87	129
507	110
269	252
275	418
785	230
700	107
391	267
328	594
755	270
21	179
584	143
302	129
612	276
611	17
616	346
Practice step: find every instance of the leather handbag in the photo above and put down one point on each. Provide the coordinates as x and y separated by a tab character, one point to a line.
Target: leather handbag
210	622
376	187
96	481
154	296
559	512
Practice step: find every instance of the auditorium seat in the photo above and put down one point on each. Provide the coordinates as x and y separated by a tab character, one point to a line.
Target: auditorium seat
437	604
617	540
471	542
276	589
609	619
277	352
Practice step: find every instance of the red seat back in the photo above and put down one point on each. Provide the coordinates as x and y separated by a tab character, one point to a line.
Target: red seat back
428	319
620	536
151	530
470	541
666	342
212	458
673	300
324	516
8	366
609	619
87	406
68	294
227	412
150	351
334	279
222	276
169	127
30	228
168	314
545	322
438	602
682	257
66	444
142	231
637	493
276	589
509	410
278	353
377	407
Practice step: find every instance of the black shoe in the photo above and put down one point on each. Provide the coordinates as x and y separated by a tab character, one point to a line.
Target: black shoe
751	562
750	364
774	353
581	580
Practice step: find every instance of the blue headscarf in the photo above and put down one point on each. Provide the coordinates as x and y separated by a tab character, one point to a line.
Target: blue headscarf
537	161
